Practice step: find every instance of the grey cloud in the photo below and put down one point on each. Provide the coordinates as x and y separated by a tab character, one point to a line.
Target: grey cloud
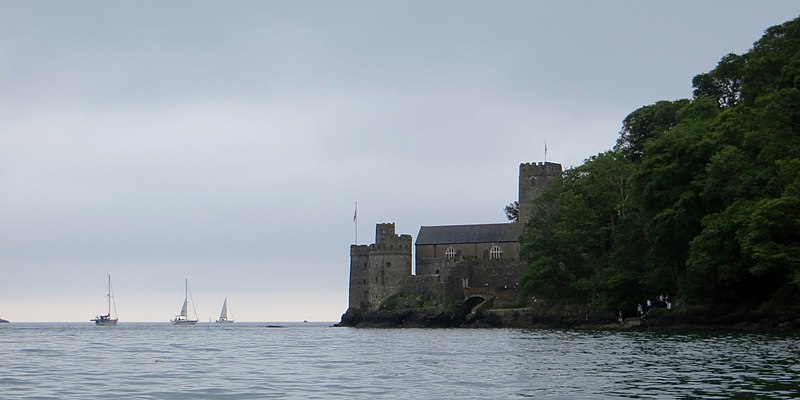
158	141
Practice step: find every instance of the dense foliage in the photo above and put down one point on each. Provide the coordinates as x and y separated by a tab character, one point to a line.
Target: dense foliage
699	198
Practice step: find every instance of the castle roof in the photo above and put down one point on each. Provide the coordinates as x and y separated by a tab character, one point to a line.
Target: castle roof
484	233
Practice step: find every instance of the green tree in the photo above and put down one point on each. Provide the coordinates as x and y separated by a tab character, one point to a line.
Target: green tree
772	64
645	124
724	83
749	249
699	198
580	235
667	189
512	211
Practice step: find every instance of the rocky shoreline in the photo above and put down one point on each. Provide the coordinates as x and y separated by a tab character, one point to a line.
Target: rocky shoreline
510	318
568	318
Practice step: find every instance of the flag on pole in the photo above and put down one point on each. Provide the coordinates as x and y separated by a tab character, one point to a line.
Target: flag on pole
355	223
545	150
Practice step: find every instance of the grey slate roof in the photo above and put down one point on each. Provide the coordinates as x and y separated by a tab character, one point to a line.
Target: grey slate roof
485	233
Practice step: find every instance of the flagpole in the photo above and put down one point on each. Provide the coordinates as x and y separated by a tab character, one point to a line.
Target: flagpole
545	151
355	220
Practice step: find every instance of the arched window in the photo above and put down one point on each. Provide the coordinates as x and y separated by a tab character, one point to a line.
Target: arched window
450	253
495	252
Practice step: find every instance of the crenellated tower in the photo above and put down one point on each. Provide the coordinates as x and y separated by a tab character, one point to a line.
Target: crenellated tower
533	177
379	270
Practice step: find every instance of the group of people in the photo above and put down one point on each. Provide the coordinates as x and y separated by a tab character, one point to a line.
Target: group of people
663	300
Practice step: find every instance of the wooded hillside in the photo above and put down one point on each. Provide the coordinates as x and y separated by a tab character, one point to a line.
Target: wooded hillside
699	199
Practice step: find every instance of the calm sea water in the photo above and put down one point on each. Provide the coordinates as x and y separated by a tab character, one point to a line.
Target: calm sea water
249	361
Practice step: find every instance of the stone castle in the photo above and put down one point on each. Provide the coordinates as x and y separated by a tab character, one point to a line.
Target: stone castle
453	262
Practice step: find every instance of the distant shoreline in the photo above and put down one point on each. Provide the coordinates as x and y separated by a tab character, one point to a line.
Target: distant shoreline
203	323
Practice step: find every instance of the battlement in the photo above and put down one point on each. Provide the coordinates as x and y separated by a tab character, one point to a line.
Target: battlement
384	232
540	169
400	244
396	242
359	250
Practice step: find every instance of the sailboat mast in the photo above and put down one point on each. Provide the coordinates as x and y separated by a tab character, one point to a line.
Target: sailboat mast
109	295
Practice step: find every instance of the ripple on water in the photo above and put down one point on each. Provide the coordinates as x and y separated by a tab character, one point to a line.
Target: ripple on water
156	361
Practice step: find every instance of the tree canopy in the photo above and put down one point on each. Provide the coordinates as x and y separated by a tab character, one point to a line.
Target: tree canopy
699	198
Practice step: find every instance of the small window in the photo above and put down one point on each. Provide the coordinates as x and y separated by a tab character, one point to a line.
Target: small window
495	252
450	253
388	264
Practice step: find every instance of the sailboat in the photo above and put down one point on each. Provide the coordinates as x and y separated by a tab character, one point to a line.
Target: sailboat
183	317
223	315
106	320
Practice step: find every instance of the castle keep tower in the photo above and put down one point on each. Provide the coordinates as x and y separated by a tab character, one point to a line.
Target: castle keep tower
533	177
379	270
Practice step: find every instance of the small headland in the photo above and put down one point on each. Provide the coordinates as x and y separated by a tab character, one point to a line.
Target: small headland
552	316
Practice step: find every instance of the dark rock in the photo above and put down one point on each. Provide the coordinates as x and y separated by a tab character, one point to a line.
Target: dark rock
551	316
631	322
484	320
400	319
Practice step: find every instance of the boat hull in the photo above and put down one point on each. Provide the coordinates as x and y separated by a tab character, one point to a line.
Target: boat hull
105	320
224	321
184	321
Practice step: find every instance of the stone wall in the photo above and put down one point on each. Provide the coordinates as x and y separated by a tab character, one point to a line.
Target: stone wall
359	288
494	274
429	257
435	289
388	268
459	278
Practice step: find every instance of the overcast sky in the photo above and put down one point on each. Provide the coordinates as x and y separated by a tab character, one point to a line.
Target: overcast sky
227	142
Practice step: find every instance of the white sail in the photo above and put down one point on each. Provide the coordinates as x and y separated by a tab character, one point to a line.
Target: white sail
183	317
223	315
183	309
108	319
